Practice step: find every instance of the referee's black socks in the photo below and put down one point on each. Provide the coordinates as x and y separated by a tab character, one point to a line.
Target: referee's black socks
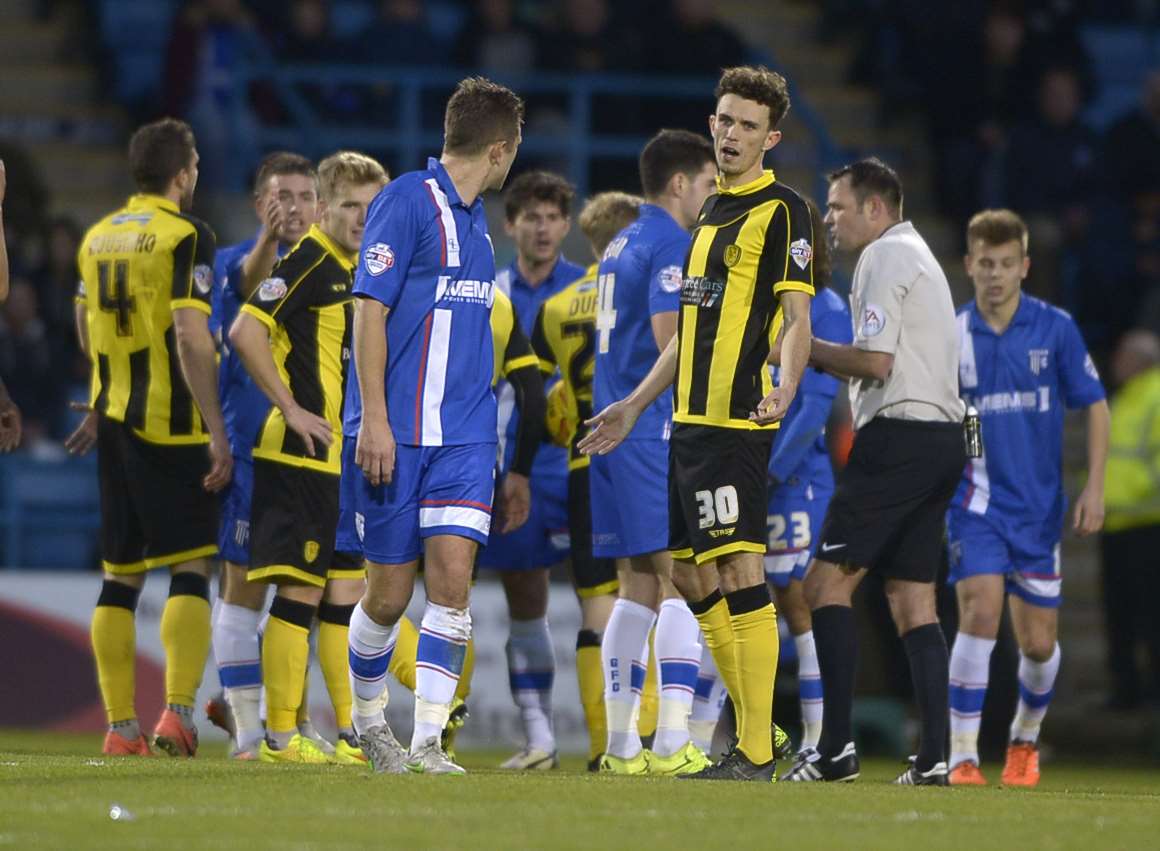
926	648
836	639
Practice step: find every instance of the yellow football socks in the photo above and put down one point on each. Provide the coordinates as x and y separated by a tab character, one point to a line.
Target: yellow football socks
755	647
402	666
285	655
649	695
591	676
333	659
114	637
185	635
717	628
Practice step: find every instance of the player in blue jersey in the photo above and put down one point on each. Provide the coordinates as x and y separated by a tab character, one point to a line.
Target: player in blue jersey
537	212
639	283
420	398
801	482
286	203
1022	363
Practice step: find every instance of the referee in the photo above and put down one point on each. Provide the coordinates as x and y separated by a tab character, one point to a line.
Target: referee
888	511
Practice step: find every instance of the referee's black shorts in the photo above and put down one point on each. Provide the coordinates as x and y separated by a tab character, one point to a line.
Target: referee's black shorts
888	512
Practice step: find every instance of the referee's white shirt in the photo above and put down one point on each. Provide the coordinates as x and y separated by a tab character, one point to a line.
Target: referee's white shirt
901	304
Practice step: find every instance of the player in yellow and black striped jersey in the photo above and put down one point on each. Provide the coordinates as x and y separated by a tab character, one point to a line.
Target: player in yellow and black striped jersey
752	252
294	337
564	338
146	272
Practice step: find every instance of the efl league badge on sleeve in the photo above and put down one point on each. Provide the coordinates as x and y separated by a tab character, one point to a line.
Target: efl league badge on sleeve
203	278
271	289
801	252
378	258
671	278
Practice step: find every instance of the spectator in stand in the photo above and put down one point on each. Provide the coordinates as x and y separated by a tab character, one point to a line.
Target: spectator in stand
56	279
1131	577
694	41
28	366
588	39
307	38
1051	175
494	40
210	40
3	242
400	35
1132	143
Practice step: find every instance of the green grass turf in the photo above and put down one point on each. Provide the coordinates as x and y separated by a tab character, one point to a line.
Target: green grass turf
56	791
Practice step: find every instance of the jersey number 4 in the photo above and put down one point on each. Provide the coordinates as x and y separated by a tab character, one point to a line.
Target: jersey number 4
113	294
605	312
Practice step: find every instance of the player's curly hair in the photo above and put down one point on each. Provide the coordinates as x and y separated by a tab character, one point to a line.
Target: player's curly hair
607	214
533	186
351	168
997	227
480	113
757	84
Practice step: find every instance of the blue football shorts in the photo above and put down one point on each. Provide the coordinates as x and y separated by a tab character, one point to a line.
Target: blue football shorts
980	547
794	519
630	499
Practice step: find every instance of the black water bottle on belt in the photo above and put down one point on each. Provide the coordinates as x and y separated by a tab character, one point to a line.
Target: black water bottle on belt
973	433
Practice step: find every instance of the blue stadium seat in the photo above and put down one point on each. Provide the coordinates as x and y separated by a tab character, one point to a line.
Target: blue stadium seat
49	512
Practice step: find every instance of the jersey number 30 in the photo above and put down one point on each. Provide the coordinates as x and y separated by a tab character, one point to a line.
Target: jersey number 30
719	506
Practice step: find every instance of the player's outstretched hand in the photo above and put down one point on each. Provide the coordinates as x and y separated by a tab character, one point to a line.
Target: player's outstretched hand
375	452
773	407
10	425
314	430
221	463
515	502
608	429
85	436
1089	511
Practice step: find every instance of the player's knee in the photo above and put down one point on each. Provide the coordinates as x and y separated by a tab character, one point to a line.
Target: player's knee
911	604
239	591
383	608
791	605
1039	645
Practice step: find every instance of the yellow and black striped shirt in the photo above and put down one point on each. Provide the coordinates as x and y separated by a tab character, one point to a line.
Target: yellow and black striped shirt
308	306
511	348
565	337
138	265
751	243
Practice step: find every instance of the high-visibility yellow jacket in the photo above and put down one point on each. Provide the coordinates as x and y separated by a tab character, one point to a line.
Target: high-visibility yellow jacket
1132	483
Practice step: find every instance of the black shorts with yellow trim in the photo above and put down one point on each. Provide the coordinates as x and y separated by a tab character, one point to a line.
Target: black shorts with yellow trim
717	490
293	521
154	510
592	576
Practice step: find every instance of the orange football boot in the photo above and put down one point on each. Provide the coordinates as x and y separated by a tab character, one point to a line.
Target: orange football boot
118	745
1022	766
172	737
967	773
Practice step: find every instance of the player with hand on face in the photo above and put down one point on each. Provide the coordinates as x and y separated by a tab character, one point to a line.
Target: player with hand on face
1022	363
286	203
293	335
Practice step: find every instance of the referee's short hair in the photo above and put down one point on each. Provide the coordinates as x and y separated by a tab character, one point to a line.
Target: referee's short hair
997	227
672	152
871	176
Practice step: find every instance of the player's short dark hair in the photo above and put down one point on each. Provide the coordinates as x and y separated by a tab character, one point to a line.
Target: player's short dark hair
672	152
158	151
871	176
823	261
757	84
533	186
997	227
281	163
479	113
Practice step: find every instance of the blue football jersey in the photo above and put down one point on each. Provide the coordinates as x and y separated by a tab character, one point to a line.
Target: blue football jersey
551	460
639	275
428	257
244	405
1020	382
791	458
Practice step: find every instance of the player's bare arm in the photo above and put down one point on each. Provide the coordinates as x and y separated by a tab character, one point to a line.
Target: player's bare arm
611	426
845	361
3	246
375	450
794	355
10	425
664	328
251	339
198	356
1089	507
84	436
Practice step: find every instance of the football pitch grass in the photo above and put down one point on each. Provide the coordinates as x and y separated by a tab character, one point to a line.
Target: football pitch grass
56	791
